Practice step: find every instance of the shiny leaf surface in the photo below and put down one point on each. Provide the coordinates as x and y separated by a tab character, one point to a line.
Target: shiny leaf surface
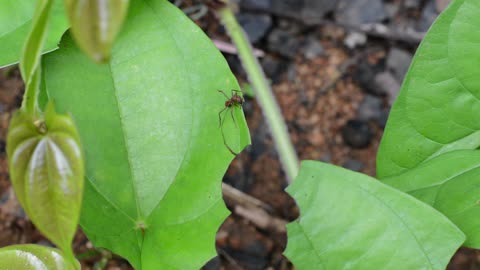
33	257
95	24
451	184
438	105
149	121
47	172
15	23
352	221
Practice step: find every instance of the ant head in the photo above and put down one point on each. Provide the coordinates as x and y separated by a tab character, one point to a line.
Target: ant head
237	99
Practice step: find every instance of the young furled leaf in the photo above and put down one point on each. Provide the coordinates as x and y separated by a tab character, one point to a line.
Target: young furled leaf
95	25
47	170
34	257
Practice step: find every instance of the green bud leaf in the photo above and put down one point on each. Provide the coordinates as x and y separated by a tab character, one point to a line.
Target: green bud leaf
95	24
33	257
47	172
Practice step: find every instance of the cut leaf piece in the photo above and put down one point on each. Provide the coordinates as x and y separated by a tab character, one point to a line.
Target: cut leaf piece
451	184
351	221
438	105
47	172
33	257
95	24
154	150
15	24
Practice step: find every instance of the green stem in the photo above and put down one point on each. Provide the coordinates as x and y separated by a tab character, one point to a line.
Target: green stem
30	97
263	93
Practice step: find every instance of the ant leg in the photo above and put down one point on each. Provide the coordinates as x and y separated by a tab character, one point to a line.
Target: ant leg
226	145
220	116
223	120
233	118
235	91
224	94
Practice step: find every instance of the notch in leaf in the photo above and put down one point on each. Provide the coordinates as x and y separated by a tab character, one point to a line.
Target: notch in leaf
95	25
47	170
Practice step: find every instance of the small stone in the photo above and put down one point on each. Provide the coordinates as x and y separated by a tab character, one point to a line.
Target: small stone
313	49
256	4
391	9
308	11
398	61
283	43
364	74
360	11
327	158
273	68
255	25
213	264
371	108
355	39
382	120
429	14
357	134
386	84
353	165
413	4
442	4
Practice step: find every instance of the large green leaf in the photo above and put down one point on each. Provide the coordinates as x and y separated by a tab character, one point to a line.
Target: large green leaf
438	105
33	257
351	221
451	184
47	172
15	23
149	125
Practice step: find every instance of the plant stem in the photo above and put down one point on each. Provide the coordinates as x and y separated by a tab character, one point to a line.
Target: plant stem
263	93
30	97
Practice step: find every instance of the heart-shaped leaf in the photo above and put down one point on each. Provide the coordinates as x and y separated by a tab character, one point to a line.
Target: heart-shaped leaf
437	109
95	24
149	122
15	24
33	257
451	184
47	172
351	221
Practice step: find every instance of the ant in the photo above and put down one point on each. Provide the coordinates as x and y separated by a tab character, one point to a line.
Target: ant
234	101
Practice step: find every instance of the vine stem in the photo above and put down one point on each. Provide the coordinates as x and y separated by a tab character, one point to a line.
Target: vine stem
263	93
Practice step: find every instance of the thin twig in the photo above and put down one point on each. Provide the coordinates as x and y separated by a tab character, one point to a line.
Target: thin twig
263	93
253	210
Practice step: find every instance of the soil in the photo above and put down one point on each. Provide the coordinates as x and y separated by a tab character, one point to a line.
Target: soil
321	92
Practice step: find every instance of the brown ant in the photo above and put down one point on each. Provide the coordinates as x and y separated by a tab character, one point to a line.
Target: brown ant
234	101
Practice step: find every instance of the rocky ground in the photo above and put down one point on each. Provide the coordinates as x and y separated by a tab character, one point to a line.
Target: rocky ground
336	67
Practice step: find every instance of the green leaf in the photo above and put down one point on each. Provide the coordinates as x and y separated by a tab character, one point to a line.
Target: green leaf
47	172
15	23
351	221
32	53
438	105
451	184
95	24
154	150
33	257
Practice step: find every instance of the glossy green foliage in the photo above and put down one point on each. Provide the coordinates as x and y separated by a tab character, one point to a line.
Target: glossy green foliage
47	172
33	257
451	184
437	109
15	23
149	124
351	221
30	61
95	24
